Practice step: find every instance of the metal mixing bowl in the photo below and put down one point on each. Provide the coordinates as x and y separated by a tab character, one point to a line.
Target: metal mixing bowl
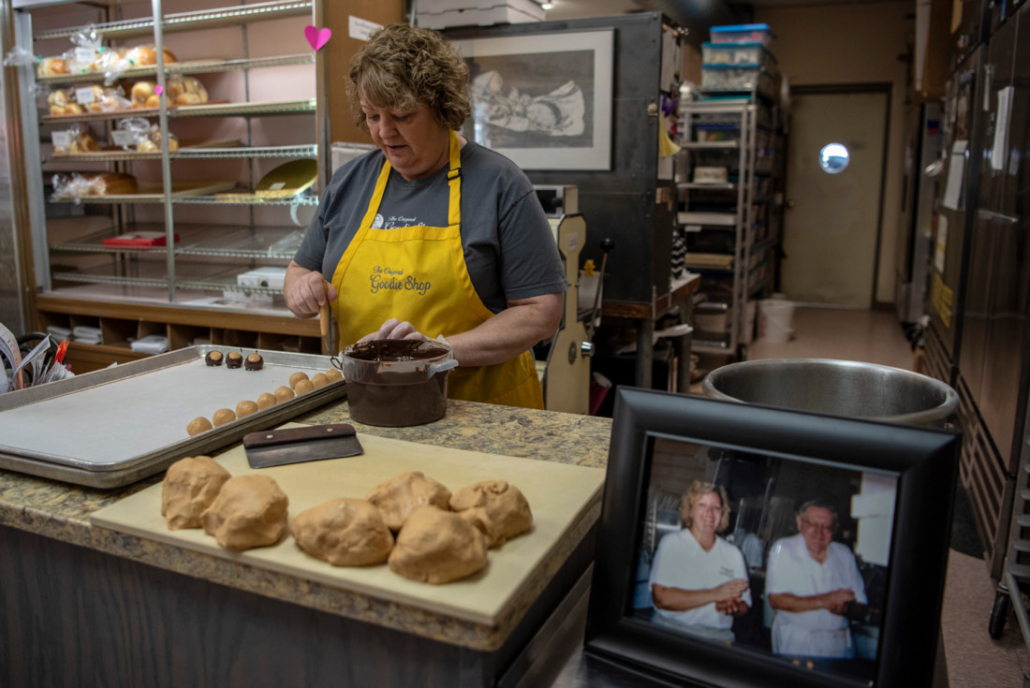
841	388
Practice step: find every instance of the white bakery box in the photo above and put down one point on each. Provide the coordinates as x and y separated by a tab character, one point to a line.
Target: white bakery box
272	278
441	14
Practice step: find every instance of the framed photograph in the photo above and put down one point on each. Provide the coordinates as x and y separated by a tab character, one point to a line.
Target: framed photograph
747	545
544	101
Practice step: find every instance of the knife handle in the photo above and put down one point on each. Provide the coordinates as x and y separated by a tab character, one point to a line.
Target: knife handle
323	311
273	438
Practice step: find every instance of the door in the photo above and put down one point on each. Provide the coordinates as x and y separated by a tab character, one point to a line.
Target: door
1003	392
992	129
834	188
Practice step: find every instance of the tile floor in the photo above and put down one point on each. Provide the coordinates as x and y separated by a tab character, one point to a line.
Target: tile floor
974	660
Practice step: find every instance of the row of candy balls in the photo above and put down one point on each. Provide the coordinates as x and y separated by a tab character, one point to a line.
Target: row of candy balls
299	382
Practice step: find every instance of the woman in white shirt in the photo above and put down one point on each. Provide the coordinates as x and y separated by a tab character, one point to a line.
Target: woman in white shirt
698	580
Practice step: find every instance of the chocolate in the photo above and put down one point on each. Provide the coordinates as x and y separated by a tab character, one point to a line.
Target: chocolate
213	358
390	350
254	362
233	360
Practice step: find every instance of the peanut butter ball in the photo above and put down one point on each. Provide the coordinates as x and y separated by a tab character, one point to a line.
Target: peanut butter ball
245	408
297	377
198	425
319	380
266	400
223	416
284	393
303	387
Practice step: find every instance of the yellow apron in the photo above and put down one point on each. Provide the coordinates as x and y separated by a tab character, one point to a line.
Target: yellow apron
419	274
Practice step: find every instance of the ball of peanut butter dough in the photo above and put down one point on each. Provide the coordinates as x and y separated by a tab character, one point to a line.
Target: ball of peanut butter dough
297	377
498	509
303	387
266	400
344	532
245	408
319	380
437	547
284	393
399	496
333	375
249	511
198	425
223	416
188	489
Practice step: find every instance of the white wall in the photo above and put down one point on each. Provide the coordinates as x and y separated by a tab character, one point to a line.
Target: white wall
848	44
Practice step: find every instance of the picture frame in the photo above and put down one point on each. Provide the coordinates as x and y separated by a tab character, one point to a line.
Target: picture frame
921	463
544	100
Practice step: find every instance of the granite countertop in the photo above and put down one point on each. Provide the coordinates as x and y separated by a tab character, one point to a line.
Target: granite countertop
62	510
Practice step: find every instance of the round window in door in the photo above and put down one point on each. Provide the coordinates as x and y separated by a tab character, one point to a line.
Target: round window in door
833	158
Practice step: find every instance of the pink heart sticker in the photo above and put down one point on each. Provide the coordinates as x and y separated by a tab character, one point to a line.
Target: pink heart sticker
159	90
317	37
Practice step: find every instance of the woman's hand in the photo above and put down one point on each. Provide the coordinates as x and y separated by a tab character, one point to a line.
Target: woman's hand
730	589
303	291
394	329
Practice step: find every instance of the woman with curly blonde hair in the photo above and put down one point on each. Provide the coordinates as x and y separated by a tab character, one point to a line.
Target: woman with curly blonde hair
432	234
698	580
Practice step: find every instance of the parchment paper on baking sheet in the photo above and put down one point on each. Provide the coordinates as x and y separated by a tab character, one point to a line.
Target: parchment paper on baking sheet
112	423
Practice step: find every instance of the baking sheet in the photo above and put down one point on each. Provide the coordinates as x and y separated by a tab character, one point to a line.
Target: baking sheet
115	426
560	495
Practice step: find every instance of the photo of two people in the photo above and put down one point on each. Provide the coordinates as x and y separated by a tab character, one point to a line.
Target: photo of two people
781	556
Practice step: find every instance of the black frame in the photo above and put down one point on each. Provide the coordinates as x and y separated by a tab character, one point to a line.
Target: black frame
925	461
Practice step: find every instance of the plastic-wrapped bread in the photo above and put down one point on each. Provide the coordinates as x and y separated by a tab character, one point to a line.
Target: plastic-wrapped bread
145	56
52	66
141	92
111	184
186	90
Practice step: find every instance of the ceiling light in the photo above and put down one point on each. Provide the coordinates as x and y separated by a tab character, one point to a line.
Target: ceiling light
547	6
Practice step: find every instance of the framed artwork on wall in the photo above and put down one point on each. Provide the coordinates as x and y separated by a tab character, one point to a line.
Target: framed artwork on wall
544	101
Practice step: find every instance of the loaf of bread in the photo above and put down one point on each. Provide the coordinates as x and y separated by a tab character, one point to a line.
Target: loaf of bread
111	184
141	92
52	66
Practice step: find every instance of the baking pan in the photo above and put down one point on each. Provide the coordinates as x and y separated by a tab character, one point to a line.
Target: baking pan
112	427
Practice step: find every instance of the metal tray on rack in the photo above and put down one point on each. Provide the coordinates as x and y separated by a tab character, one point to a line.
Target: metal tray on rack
116	426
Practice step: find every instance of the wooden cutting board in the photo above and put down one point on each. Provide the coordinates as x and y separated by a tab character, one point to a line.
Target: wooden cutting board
559	495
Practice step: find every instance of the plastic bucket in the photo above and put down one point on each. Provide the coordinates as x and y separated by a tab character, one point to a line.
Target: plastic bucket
842	388
775	320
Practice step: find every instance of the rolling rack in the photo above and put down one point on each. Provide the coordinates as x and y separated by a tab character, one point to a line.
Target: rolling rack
1014	586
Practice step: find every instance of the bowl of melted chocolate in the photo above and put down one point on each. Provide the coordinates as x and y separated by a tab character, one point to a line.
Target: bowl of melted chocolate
397	382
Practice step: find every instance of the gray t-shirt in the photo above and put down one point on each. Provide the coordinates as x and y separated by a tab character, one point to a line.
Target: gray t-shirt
509	248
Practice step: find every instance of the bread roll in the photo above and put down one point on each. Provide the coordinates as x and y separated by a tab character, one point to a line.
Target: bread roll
141	92
52	66
112	183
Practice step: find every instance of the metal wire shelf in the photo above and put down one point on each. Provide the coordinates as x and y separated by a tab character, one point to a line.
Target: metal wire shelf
192	67
188	21
305	151
200	240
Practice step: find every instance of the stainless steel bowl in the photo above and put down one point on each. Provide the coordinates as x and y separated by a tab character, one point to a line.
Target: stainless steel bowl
841	388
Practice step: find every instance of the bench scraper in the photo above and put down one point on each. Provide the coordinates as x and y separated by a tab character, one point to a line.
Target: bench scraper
297	445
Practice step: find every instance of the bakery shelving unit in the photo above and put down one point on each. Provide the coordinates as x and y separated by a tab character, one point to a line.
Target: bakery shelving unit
724	219
186	292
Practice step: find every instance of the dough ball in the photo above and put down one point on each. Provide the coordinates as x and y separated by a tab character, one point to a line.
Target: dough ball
319	380
223	416
266	400
245	408
198	425
297	377
437	547
333	375
498	509
249	511
399	496
344	532
189	487
303	387
283	393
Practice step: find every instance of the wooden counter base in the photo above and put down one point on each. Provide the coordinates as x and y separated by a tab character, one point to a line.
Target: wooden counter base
75	615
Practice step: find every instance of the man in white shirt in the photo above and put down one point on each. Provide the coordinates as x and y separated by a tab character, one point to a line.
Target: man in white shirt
809	582
698	580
